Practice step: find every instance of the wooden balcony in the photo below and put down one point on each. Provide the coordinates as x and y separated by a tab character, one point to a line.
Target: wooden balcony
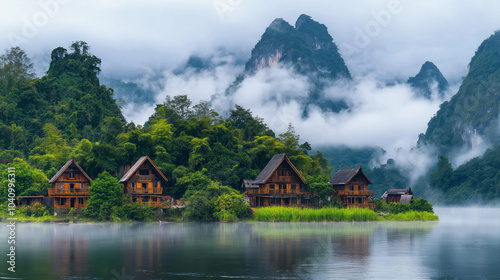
132	190
356	193
75	192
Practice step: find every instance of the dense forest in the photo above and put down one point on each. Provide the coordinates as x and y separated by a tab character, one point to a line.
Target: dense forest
67	114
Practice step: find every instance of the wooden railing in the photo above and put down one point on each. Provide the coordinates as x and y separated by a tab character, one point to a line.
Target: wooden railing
364	193
75	191
132	190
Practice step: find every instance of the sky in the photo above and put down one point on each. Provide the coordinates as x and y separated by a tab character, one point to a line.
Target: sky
380	41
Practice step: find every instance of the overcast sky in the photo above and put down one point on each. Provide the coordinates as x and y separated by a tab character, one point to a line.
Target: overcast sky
132	35
379	41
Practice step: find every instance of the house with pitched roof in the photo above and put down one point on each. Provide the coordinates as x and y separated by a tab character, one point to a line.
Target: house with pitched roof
144	181
398	195
70	187
278	184
351	188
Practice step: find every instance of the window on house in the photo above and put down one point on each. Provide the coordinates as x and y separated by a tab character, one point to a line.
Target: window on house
80	201
294	186
144	172
144	185
271	186
351	188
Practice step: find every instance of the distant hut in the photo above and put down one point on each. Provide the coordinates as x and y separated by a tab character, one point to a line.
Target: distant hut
398	195
351	188
278	184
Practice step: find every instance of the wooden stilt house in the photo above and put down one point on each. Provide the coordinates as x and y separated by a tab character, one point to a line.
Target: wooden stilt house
351	188
278	184
70	187
143	181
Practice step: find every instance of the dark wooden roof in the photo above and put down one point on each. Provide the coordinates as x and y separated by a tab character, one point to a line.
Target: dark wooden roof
272	165
399	191
61	171
136	167
343	176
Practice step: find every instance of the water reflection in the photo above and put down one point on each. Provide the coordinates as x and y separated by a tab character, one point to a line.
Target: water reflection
212	250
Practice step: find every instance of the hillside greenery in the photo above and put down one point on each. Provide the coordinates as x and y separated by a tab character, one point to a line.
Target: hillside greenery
67	114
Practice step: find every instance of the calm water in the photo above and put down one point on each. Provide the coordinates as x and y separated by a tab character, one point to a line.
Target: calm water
464	244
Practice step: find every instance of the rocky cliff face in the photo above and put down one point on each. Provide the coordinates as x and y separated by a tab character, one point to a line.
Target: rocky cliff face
309	50
308	47
472	114
428	78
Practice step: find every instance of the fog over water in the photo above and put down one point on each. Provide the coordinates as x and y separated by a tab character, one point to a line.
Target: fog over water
464	244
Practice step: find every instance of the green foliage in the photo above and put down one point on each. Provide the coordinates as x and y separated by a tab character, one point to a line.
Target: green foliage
28	180
417	205
105	193
381	205
476	181
231	207
35	210
412	216
396	208
474	109
421	205
293	214
216	203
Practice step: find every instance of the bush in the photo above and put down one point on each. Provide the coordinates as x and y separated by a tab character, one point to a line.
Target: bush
217	203
421	205
35	210
381	205
396	208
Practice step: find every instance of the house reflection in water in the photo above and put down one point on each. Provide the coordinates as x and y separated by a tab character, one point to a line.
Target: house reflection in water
70	252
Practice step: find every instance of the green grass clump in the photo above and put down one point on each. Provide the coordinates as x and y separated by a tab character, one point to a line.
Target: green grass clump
412	216
292	214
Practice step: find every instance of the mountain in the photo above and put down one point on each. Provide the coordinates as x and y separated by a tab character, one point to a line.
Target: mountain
426	79
129	92
472	115
309	49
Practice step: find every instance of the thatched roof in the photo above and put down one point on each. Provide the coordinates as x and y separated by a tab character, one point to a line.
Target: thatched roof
344	176
66	166
136	167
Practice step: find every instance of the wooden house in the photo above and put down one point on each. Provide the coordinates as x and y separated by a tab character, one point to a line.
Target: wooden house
144	182
278	184
398	195
351	188
70	187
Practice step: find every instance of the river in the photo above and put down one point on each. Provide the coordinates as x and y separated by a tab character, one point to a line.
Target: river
464	244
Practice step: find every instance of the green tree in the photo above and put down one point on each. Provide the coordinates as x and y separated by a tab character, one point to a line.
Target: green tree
15	68
105	193
29	180
440	178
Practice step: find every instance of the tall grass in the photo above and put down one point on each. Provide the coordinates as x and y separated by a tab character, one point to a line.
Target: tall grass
412	216
291	214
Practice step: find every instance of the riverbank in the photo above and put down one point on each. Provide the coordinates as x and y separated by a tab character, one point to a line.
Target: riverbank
266	214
